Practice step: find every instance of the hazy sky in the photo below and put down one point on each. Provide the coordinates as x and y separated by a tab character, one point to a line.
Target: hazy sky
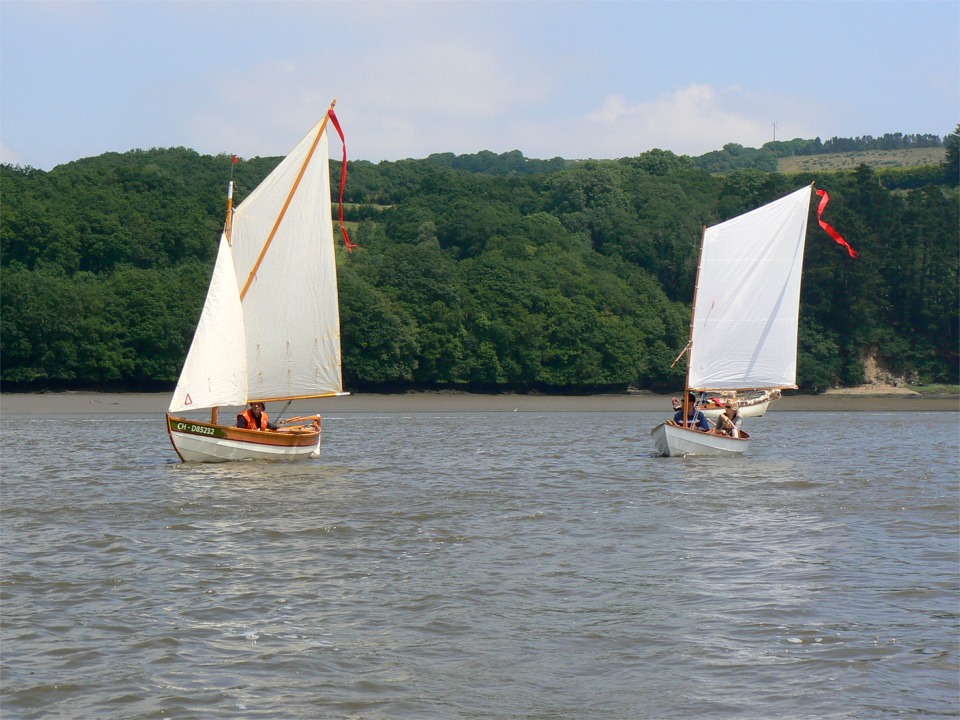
572	79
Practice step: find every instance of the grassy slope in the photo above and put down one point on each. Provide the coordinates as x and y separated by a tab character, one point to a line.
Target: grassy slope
873	158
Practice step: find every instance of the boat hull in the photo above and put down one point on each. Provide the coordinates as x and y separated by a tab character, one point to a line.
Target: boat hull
197	441
746	411
675	441
749	405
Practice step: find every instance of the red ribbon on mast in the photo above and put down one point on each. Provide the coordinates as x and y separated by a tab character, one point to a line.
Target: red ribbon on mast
343	177
828	228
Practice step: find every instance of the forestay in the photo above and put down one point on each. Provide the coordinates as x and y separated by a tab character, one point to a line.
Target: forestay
748	298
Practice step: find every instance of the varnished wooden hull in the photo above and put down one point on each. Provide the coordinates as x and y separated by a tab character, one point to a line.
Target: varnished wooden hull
197	441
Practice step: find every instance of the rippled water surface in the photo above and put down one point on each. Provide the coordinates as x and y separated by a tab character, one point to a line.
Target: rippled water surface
489	565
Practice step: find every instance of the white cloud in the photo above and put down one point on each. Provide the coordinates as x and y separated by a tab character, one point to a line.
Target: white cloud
414	78
692	120
432	96
10	156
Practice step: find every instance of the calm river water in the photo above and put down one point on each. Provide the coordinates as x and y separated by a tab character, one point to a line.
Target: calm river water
483	565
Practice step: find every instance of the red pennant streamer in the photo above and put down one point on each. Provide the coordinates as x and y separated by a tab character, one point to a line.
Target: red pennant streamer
828	228
343	178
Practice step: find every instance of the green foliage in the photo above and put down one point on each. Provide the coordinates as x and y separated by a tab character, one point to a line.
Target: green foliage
378	338
819	356
951	164
482	271
736	157
910	178
508	163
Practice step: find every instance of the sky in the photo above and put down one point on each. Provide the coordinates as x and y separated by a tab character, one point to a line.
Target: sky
600	79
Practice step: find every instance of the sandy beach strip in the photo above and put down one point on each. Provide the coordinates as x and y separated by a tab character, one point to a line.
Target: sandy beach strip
858	400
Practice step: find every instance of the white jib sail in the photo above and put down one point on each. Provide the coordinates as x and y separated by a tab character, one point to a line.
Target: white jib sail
747	302
215	371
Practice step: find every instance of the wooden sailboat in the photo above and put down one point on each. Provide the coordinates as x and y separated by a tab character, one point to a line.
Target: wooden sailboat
750	404
746	311
270	326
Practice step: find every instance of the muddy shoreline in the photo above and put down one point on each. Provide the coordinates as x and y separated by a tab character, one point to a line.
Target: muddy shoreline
441	401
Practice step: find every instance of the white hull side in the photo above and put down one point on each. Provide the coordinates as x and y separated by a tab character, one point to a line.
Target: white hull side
197	441
673	441
747	411
193	448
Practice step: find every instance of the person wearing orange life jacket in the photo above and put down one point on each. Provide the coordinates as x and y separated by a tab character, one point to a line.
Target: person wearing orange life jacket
255	418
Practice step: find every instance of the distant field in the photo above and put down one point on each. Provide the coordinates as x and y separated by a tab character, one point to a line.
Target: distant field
873	158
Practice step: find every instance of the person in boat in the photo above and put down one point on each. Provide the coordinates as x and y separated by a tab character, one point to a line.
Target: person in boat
729	421
695	418
255	418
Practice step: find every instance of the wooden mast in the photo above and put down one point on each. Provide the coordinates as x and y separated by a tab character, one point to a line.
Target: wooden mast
229	225
214	411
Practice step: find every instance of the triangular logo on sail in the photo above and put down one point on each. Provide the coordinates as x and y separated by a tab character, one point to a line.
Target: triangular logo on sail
188	400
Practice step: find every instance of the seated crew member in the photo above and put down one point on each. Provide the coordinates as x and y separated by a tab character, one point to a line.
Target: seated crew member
729	421
255	418
695	418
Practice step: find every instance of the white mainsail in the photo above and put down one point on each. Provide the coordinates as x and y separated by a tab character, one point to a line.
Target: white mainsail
215	371
748	298
290	307
270	326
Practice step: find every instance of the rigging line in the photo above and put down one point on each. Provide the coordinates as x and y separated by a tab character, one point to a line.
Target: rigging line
282	411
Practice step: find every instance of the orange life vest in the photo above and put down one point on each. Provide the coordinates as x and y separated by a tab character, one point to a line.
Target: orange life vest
252	423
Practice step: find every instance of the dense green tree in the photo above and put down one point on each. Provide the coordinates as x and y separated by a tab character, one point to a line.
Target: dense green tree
378	339
485	271
951	163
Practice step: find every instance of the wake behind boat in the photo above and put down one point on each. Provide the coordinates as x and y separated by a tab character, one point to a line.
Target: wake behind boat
746	311
270	326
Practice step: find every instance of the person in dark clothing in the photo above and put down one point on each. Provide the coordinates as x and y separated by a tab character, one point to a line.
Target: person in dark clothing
695	418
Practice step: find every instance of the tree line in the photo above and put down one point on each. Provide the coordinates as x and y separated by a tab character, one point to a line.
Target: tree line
736	157
503	273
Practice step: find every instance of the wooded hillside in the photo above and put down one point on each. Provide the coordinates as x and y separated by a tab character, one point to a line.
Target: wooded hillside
485	271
